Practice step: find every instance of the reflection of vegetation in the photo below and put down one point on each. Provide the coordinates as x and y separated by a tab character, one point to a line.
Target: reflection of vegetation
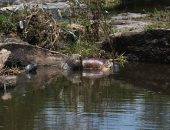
61	97
91	93
21	110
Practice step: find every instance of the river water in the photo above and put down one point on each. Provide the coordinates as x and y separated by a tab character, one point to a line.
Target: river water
134	97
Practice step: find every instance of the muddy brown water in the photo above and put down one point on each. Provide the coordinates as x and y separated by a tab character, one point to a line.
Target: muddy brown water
135	97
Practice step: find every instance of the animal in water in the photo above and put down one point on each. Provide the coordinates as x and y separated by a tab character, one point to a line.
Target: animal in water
103	65
75	62
72	63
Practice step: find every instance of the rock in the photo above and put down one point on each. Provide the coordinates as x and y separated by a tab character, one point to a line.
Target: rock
25	1
129	25
129	22
4	55
57	5
50	5
24	54
128	15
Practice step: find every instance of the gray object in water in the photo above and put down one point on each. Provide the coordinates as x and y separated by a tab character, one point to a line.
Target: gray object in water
30	68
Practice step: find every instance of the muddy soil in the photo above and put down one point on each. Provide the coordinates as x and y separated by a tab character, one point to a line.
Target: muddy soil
147	46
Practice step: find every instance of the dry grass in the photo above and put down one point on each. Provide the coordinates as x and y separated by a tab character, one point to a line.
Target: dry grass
40	28
10	71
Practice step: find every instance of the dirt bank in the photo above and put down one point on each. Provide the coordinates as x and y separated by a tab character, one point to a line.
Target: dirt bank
146	46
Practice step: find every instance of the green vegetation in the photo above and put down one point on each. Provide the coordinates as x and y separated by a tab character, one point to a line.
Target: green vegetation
160	19
83	48
6	23
121	59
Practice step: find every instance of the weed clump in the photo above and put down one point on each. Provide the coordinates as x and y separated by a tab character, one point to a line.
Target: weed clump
7	26
39	28
35	26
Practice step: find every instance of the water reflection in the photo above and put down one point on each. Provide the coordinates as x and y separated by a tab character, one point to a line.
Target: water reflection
6	96
68	101
148	76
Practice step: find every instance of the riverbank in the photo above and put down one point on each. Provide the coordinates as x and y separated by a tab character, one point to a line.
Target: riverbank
141	37
71	31
151	46
48	36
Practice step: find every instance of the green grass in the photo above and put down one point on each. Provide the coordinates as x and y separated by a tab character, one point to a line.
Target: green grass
121	59
84	48
6	23
159	19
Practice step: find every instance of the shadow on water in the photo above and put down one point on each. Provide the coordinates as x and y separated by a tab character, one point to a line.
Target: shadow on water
53	99
147	76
